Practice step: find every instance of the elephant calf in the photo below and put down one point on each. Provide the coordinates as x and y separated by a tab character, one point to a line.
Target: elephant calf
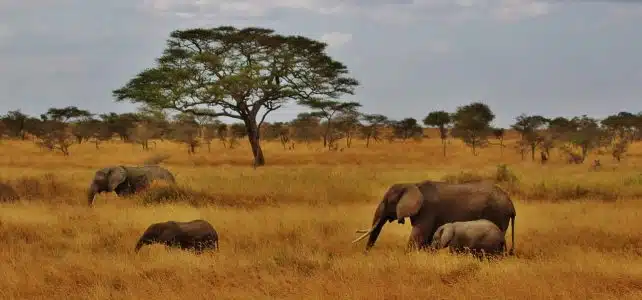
196	235
479	236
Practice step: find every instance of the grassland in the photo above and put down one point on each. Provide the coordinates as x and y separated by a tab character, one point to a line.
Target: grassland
286	228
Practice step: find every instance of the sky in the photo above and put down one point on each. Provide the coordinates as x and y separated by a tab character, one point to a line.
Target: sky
548	57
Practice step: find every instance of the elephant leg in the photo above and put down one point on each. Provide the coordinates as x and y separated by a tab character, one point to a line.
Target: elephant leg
416	240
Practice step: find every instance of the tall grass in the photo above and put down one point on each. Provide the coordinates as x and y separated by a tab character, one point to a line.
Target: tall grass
286	228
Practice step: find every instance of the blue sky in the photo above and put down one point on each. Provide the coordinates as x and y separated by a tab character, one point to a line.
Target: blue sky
554	57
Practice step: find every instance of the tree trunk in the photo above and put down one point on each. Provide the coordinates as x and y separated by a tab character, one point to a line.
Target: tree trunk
533	146
443	143
253	135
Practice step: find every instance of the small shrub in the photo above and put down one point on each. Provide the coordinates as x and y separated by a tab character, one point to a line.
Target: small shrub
163	193
7	193
46	186
463	177
504	174
557	191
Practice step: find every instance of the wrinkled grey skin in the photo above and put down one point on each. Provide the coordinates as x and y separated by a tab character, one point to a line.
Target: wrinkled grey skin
196	235
126	180
480	237
430	204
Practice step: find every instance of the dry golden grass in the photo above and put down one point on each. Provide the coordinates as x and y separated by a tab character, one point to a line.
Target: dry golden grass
286	228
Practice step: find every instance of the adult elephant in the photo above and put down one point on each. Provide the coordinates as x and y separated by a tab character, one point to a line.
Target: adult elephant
126	180
430	204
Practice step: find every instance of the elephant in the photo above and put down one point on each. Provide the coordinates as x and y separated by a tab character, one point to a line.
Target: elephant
479	236
430	204
126	180
196	235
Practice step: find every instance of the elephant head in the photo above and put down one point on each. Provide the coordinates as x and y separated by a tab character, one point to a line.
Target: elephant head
443	236
106	180
155	233
399	202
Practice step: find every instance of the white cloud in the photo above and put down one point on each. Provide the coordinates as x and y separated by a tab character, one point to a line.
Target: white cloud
512	10
381	10
336	39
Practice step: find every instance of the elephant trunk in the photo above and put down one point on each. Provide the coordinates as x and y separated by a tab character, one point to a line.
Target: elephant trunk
377	223
374	234
140	244
91	193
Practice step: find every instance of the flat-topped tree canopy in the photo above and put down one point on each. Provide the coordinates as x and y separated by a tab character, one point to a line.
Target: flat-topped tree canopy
238	73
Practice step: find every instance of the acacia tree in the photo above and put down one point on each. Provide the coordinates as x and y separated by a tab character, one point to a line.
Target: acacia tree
471	123
326	110
306	127
372	128
499	134
529	129
238	73
407	128
441	120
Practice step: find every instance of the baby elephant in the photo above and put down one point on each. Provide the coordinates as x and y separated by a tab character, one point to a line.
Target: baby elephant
479	236
196	235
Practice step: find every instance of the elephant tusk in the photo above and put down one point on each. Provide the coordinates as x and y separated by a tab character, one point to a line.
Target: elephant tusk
363	236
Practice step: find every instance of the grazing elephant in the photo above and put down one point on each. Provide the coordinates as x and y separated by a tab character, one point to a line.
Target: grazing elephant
479	236
430	204
126	180
196	235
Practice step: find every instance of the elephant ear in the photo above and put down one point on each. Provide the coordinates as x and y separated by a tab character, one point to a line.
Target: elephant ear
410	202
117	175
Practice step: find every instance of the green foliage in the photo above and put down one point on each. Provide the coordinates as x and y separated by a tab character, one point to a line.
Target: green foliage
472	124
236	73
407	128
529	128
439	119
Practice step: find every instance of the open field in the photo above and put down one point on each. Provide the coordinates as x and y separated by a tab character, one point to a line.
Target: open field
286	228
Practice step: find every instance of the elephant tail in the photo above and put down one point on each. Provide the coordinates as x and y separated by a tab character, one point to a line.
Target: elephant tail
512	231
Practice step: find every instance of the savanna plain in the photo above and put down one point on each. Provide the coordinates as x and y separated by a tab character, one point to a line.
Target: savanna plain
286	228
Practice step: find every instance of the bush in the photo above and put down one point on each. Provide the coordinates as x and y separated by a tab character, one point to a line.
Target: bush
45	186
164	193
463	177
7	193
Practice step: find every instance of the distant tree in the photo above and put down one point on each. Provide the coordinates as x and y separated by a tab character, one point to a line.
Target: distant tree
326	110
306	128
621	126
372	128
280	131
471	123
347	125
121	124
236	131
499	134
441	120
208	132
238	72
185	129
67	114
529	128
142	132
221	133
587	134
407	128
3	129
15	123
54	135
